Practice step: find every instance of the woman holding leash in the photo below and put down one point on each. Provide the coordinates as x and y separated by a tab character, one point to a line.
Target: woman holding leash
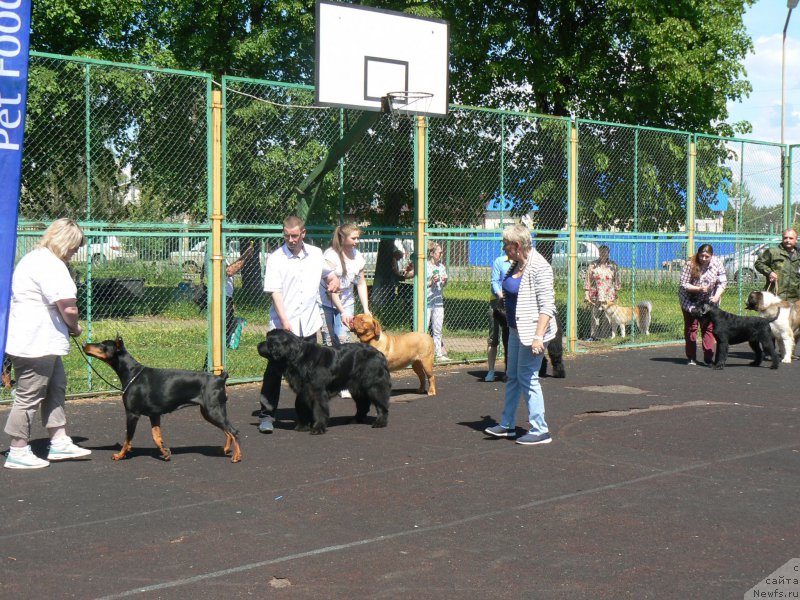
42	316
348	263
531	309
703	279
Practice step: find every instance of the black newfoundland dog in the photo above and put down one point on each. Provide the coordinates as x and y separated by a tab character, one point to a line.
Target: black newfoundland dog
315	373
555	347
733	329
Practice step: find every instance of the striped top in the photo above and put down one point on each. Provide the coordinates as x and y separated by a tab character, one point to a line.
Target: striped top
536	296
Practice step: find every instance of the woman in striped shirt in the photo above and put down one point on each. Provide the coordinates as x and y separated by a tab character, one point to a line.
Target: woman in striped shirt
531	310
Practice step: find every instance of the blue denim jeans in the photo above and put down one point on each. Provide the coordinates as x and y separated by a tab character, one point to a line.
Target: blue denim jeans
522	380
337	332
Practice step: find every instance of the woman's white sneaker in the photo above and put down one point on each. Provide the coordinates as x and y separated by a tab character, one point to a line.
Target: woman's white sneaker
24	458
64	449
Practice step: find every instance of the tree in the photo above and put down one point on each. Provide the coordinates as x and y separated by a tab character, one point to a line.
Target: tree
666	64
268	39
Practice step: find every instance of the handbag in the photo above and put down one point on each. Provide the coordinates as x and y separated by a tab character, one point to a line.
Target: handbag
236	334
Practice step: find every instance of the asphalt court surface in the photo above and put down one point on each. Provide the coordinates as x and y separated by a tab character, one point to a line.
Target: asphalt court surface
663	481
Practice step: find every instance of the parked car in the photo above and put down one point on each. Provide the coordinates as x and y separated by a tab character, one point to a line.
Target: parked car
109	249
587	252
735	269
193	259
675	264
740	265
369	249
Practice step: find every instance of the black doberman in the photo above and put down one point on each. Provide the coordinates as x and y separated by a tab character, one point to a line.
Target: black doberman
7	382
155	392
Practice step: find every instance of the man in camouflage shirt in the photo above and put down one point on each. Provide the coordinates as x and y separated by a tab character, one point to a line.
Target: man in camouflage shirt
781	266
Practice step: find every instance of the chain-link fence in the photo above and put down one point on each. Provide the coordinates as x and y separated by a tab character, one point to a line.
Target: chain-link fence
127	152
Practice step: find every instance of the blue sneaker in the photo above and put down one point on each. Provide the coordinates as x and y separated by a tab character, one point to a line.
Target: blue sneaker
500	431
531	439
265	425
489	376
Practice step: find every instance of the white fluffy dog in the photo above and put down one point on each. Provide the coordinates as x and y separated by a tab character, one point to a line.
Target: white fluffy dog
783	328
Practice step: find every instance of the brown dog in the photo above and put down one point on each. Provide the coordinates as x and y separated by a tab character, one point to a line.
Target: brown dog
401	350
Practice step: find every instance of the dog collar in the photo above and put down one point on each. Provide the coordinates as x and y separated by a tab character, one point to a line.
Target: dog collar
131	380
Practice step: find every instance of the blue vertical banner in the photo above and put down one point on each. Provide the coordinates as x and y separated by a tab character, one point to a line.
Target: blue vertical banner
15	28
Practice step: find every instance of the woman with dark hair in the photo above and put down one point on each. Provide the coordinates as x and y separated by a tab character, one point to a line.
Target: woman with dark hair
703	280
42	316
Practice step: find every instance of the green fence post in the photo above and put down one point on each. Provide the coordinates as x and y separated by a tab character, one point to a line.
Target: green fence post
87	128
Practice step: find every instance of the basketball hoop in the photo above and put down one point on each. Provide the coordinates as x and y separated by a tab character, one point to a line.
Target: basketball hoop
405	104
408	103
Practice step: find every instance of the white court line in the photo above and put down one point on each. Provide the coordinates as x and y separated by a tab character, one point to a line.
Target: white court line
450	524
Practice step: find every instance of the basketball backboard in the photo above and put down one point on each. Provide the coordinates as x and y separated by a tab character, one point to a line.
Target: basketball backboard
364	53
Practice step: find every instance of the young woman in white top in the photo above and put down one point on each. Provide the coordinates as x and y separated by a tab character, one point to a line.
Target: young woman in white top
42	316
348	263
437	279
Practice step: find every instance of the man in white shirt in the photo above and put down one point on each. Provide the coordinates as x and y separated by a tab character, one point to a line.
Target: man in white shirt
292	277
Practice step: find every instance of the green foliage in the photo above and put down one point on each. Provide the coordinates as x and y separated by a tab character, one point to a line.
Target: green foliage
670	65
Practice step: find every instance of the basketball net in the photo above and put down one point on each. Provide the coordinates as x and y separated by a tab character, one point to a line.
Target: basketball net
405	105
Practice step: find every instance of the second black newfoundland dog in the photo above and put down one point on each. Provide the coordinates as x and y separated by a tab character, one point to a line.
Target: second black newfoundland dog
315	373
733	329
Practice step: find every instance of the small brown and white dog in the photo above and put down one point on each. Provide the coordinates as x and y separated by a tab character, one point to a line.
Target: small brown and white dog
414	348
784	327
620	316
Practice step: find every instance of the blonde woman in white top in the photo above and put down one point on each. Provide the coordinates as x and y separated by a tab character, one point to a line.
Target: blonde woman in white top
531	309
42	316
344	259
436	281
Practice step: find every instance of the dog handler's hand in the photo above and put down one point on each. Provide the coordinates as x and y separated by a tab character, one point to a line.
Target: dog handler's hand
333	284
